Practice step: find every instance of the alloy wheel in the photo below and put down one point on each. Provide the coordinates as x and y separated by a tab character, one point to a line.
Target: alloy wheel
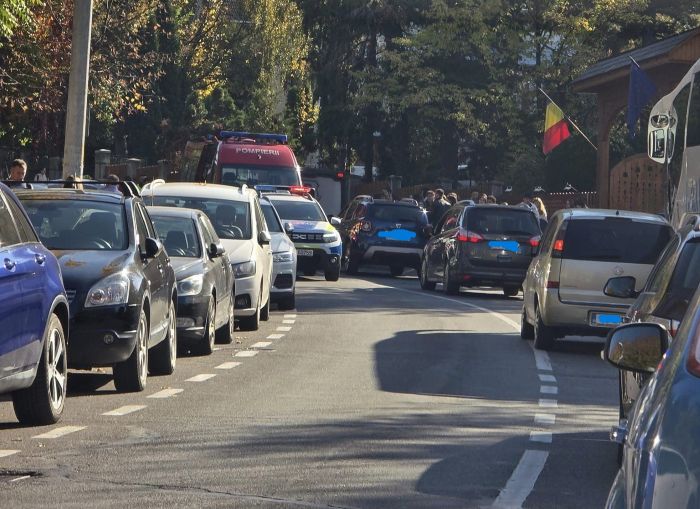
57	376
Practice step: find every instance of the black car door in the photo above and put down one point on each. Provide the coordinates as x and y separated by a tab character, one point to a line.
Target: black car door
448	232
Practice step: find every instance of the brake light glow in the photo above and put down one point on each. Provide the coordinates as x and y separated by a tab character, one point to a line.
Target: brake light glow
675	324
468	236
535	241
302	190
559	245
366	226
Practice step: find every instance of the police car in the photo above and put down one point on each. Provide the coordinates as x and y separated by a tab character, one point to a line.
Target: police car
317	241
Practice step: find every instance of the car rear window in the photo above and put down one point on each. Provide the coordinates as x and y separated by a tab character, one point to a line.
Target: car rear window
684	282
615	239
502	221
398	214
231	219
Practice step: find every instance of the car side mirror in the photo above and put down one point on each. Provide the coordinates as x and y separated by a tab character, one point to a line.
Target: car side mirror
335	221
621	287
152	247
288	228
264	238
636	347
216	250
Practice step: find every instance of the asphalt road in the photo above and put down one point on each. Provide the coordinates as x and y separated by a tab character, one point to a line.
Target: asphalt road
372	394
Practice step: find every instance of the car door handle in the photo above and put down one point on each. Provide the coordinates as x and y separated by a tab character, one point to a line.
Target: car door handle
40	258
9	264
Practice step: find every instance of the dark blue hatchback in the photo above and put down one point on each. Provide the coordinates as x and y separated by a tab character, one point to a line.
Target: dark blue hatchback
33	319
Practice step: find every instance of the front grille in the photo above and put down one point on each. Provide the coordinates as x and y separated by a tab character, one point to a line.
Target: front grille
307	237
284	281
70	294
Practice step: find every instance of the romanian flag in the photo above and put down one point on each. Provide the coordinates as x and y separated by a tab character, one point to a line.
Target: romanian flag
556	128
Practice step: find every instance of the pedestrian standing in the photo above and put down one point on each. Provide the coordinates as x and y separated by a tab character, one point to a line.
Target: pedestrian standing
440	206
41	176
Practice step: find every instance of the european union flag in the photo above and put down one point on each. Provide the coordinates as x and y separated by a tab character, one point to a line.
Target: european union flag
641	91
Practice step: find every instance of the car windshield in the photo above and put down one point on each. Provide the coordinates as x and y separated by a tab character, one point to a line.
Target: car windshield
178	235
237	175
398	214
298	210
502	221
78	224
231	219
273	224
684	282
615	239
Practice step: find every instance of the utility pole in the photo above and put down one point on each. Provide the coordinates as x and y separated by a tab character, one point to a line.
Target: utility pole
74	147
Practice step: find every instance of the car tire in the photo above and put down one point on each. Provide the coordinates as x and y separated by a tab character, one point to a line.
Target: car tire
527	331
423	277
206	344
510	291
450	286
332	274
287	303
265	311
251	323
163	359
42	402
396	270
226	333
543	335
131	375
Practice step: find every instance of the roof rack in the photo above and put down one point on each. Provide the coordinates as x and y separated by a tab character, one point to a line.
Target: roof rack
127	188
257	137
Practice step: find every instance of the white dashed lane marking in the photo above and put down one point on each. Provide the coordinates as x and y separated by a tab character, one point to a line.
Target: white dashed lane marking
548	403
60	432
522	481
7	452
284	329
289	322
542	361
545	419
549	389
290	316
201	378
247	353
261	344
128	409
548	378
543	437
275	336
228	365
165	393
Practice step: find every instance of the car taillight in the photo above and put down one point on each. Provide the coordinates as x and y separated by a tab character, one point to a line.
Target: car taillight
467	236
675	324
535	241
366	226
558	246
552	284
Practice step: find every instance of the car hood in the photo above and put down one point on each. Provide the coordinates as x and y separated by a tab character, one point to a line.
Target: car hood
312	226
281	243
82	269
238	251
185	267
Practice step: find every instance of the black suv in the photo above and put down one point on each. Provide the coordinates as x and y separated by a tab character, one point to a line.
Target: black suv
663	300
119	282
382	232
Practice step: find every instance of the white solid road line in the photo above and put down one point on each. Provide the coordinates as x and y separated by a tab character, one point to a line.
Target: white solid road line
201	378
128	409
543	437
549	389
284	329
261	344
17	479
247	353
275	336
548	403
524	477
289	322
60	432
165	393
228	365
290	316
548	378
545	419
7	452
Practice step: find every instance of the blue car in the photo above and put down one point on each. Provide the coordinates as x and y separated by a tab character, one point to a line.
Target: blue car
661	453
33	319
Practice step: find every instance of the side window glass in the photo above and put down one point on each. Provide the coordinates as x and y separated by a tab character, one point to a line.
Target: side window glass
141	229
8	233
360	211
26	232
451	219
664	267
548	236
206	233
148	223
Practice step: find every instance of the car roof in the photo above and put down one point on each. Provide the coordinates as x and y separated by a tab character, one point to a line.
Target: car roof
173	211
392	202
581	213
54	193
200	190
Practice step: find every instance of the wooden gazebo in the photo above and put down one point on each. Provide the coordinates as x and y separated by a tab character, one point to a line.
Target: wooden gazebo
665	61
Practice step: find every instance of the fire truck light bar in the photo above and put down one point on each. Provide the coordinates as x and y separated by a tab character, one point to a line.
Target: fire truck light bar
279	138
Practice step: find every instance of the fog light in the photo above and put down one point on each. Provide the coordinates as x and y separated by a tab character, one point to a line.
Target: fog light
108	339
185	322
333	259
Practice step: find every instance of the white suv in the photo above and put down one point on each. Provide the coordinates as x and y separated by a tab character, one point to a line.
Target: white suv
238	220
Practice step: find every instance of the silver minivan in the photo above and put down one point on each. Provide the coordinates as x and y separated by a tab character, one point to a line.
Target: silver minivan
580	251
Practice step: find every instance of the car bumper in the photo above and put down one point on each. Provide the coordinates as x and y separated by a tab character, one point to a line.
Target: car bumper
575	318
469	275
247	295
283	279
392	255
102	336
323	258
192	316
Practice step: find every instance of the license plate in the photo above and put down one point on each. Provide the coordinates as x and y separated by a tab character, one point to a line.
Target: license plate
511	246
607	319
305	252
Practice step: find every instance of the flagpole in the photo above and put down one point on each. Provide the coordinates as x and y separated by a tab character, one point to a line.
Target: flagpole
569	119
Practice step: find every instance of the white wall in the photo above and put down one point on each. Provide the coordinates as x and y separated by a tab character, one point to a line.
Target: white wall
327	193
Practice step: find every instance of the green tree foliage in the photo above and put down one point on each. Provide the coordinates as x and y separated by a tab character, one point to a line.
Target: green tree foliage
13	13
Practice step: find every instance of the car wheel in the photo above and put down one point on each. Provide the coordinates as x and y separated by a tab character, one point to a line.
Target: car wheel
510	291
251	323
43	401
396	270
544	338
423	277
226	333
287	303
131	375
164	357
265	311
450	286
206	345
527	331
332	274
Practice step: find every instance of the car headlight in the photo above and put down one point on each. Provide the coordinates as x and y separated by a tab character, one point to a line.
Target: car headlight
109	291
285	256
331	237
190	285
244	269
